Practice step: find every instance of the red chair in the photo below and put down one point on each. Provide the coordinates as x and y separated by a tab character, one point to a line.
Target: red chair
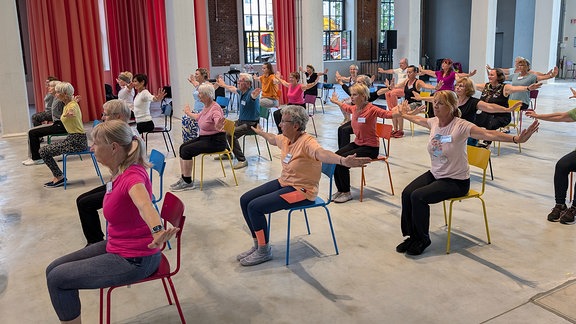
533	98
173	213
385	132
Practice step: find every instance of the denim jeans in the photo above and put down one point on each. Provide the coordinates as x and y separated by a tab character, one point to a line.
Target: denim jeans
91	268
263	200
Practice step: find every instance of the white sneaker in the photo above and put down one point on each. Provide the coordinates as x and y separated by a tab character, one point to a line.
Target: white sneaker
181	185
344	197
240	165
336	195
31	162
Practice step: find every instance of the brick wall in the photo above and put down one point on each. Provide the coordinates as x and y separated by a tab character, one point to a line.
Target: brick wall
367	29
223	21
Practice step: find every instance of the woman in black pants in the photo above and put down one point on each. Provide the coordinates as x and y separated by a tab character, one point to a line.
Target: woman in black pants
564	166
449	176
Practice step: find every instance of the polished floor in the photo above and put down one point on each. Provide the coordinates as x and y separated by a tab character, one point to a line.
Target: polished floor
368	282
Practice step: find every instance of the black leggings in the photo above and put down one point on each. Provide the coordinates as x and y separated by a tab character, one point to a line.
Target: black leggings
417	197
342	173
145	127
564	166
88	205
203	144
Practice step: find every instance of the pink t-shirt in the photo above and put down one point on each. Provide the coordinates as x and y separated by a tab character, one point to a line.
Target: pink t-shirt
128	233
364	123
447	149
295	94
300	168
208	118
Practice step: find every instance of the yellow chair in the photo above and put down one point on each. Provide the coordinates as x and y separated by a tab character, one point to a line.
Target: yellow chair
515	123
229	128
477	157
422	94
384	132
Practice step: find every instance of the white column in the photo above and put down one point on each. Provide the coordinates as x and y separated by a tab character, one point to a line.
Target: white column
407	22
311	34
14	117
544	46
482	37
182	54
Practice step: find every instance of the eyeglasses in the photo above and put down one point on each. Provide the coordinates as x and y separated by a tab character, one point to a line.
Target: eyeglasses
286	121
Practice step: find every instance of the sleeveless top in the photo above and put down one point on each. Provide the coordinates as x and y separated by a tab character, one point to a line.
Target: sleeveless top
408	95
495	94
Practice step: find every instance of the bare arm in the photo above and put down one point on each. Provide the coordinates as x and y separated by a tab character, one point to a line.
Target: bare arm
271	138
495	135
350	161
551	74
465	75
423	71
508	88
405	112
141	199
231	88
552	117
494	108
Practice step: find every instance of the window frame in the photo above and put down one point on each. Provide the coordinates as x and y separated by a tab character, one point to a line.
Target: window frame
261	28
337	40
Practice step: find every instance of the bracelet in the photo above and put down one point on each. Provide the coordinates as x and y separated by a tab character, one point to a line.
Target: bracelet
514	140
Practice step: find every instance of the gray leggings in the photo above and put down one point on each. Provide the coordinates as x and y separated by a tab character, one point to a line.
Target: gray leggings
76	142
91	268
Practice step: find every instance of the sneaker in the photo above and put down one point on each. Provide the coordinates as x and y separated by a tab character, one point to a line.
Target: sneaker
393	132
182	185
31	162
403	247
554	215
344	197
246	253
261	255
336	195
398	134
223	156
240	165
418	246
567	216
56	184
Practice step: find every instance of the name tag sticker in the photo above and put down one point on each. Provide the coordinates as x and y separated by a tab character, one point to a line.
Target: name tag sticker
446	139
361	120
109	187
243	102
287	158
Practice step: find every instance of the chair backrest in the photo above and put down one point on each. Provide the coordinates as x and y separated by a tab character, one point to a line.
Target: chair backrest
264	112
96	122
534	94
328	170
173	213
479	157
384	131
158	161
168	112
229	127
168	90
516	112
223	101
310	99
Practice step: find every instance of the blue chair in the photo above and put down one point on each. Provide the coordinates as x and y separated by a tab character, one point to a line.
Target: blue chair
264	114
223	102
158	161
328	170
86	152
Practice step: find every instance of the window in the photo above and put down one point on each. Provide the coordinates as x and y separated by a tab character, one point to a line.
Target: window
258	31
336	39
386	17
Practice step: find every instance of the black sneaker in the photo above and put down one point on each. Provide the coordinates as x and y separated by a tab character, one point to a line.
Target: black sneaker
554	215
403	247
56	184
567	216
418	246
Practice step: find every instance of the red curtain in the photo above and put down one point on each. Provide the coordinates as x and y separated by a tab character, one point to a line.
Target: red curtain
65	42
137	39
285	36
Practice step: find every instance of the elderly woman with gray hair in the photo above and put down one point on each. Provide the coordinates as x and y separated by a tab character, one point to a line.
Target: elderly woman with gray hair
302	159
76	141
212	138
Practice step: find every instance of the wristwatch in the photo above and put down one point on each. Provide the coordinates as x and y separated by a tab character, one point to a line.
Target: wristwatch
157	228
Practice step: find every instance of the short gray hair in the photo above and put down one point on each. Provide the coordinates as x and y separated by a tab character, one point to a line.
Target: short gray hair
364	79
65	88
298	115
207	89
246	77
118	109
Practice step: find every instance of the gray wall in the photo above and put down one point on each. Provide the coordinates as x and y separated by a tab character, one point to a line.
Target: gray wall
505	22
447	30
524	29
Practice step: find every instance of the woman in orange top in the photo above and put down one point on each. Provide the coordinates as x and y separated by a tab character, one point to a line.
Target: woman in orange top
270	93
302	159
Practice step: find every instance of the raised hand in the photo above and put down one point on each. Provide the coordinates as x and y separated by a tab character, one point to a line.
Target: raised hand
527	132
573	93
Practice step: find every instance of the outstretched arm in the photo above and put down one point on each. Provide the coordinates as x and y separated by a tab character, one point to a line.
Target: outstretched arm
423	71
545	76
271	138
494	108
552	117
495	135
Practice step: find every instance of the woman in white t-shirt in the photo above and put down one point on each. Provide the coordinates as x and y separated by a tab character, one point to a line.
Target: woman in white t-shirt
449	175
126	92
142	102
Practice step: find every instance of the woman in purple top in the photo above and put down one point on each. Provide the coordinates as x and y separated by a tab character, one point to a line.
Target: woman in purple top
447	76
212	138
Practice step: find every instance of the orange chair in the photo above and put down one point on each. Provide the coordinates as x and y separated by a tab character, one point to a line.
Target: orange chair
385	132
311	99
173	213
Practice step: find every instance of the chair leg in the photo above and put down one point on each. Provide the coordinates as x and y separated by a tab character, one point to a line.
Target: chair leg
101	305
390	177
166	291
64	156
165	142
268	147
176	301
445	217
449	228
288	239
306	218
232	168
485	219
171	145
362	183
490	164
332	230
98	173
314	124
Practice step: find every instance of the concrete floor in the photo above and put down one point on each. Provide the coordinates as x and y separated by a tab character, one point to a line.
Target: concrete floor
367	283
